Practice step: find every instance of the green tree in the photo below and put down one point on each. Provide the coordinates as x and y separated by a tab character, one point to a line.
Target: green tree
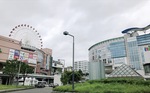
80	72
66	77
11	69
25	69
77	76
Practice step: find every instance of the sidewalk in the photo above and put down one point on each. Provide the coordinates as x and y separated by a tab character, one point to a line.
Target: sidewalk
17	89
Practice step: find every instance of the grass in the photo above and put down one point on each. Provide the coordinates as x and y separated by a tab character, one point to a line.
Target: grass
3	87
101	87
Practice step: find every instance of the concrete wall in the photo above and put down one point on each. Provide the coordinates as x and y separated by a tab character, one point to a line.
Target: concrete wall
57	79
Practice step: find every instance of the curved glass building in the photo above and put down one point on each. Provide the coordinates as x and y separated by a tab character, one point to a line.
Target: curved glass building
131	49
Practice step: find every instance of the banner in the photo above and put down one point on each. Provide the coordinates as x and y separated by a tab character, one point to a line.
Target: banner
34	56
147	48
16	55
31	55
11	54
32	61
21	57
26	55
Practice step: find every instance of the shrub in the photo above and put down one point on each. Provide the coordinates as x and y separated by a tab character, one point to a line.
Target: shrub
112	85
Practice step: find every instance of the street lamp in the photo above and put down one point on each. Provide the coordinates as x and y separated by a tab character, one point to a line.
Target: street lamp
18	73
67	33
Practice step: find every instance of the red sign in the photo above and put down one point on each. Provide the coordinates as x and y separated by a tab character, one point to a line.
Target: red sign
31	55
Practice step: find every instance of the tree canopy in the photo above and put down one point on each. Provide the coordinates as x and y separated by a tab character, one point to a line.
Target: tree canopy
12	68
66	77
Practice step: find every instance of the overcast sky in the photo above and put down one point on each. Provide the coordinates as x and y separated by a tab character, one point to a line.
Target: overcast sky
90	21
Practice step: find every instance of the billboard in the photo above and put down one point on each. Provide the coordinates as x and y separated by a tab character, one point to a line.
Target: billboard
11	54
22	56
16	54
32	58
146	53
30	55
31	61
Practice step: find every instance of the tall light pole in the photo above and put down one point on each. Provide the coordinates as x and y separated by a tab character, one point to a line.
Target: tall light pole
18	73
66	33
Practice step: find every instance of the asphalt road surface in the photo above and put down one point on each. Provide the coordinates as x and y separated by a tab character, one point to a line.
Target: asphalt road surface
36	90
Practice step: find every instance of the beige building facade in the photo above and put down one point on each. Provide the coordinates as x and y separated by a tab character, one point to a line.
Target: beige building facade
40	59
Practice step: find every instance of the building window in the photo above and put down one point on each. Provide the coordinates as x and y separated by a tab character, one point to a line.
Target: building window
93	57
0	50
147	68
104	60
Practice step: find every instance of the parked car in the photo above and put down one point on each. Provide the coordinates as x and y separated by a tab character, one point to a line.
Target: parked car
53	85
40	84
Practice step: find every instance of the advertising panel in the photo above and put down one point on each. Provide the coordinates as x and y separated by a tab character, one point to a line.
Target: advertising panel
146	50
32	61
32	58
11	54
31	55
21	57
16	55
26	55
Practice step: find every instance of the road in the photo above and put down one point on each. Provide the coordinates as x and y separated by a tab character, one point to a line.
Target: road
36	90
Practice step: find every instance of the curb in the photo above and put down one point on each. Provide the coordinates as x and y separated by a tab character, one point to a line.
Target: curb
62	92
17	89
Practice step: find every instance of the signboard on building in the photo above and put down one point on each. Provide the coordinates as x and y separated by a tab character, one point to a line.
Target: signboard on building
32	61
11	54
22	56
32	58
147	48
131	39
145	53
30	55
16	54
26	57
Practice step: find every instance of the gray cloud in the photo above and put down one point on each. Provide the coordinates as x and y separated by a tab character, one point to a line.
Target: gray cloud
90	21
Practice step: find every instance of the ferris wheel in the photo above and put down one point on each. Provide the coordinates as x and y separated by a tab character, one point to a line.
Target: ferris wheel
27	35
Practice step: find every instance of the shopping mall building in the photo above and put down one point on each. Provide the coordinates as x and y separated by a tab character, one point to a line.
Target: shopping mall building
131	49
39	59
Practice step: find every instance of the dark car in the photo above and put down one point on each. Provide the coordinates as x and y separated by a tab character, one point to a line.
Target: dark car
51	85
40	85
